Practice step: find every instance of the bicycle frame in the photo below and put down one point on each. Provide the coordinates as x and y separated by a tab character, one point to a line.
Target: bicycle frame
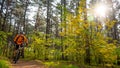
18	53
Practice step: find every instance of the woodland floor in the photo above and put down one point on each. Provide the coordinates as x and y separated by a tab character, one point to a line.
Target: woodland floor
27	64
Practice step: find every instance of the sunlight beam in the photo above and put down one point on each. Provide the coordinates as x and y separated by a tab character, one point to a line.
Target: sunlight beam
100	10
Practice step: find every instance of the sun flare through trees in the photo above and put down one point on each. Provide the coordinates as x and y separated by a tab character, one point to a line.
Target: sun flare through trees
62	33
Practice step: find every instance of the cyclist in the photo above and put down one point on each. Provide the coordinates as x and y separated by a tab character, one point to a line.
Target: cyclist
19	40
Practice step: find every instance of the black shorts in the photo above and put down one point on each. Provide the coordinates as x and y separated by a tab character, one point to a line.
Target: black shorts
17	46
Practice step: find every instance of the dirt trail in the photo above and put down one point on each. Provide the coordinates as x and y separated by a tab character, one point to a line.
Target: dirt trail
27	64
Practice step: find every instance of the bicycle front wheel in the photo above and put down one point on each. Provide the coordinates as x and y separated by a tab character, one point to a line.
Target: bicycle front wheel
17	56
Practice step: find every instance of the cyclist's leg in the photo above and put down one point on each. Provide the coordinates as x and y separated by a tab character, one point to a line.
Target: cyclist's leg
22	54
15	50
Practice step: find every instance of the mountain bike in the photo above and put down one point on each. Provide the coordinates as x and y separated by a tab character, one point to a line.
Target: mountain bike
17	54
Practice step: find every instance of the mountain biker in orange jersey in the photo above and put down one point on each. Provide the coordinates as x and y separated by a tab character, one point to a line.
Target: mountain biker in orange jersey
19	40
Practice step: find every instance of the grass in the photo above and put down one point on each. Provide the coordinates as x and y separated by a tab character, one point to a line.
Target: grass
58	64
66	64
5	64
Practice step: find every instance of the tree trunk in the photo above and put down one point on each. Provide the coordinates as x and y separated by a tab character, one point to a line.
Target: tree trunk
9	30
37	19
1	11
4	25
48	20
87	58
24	21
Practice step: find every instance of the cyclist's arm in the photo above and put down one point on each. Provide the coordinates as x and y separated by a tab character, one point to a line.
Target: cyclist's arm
15	38
26	40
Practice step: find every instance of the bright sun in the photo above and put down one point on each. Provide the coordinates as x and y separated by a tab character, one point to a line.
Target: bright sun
100	10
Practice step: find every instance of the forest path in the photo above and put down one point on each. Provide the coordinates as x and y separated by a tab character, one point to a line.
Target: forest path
27	64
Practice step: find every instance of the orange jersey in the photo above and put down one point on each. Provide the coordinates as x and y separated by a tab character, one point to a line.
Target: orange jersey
20	39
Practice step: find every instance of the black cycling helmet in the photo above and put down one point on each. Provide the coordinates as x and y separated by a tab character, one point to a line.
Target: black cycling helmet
22	32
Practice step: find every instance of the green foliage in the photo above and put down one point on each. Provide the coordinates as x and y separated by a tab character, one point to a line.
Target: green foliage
3	38
5	47
80	35
4	64
3	41
59	65
118	51
42	49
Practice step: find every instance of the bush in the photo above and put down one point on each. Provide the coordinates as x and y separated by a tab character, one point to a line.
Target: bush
4	64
